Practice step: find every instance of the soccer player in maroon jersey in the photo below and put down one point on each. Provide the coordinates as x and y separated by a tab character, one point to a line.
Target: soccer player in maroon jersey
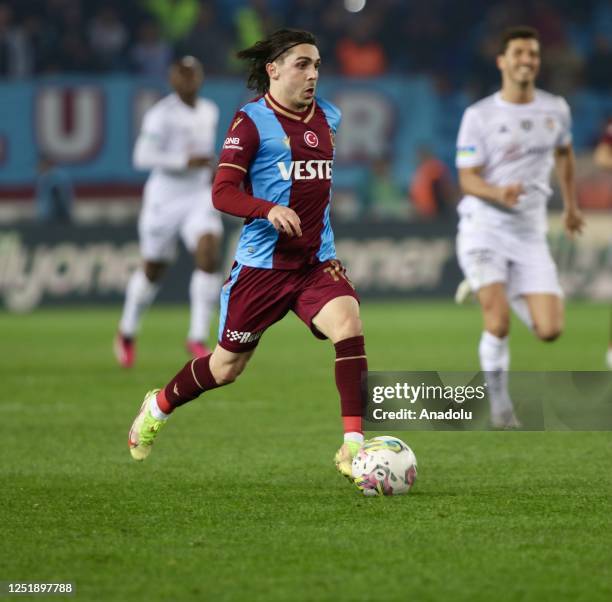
280	149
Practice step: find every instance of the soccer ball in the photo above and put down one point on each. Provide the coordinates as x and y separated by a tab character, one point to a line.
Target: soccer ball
384	466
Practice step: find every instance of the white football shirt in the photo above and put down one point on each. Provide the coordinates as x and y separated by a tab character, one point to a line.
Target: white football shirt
514	144
171	133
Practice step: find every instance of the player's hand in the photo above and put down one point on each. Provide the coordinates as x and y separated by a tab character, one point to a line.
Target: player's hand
508	196
285	220
573	220
196	162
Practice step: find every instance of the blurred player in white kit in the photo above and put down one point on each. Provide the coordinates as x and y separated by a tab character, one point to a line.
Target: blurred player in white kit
506	149
176	142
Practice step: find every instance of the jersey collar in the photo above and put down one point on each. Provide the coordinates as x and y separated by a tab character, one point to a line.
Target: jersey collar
304	116
513	105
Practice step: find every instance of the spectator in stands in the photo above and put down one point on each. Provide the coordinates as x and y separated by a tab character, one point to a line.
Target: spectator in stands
563	69
548	20
360	53
432	190
41	41
599	66
150	56
175	18
108	38
75	54
54	195
482	74
207	41
382	197
251	21
15	52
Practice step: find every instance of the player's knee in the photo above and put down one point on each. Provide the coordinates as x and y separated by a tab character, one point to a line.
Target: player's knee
227	374
548	332
347	326
153	275
499	328
154	270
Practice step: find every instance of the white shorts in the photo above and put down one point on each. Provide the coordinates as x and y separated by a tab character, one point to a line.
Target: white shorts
524	266
164	217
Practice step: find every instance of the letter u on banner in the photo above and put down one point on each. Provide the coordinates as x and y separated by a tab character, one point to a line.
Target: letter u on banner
69	122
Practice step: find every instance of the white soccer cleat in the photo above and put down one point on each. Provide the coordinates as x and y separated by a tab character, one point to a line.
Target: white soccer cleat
464	293
505	420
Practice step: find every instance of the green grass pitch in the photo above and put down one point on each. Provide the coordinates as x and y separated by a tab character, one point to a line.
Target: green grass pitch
239	499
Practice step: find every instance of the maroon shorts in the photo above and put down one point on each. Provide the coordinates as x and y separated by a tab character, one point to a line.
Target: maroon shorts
252	299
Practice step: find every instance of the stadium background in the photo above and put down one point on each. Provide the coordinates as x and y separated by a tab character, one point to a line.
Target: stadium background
77	77
240	500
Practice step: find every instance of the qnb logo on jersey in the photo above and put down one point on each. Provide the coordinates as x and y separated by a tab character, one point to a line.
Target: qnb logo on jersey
232	142
242	336
306	170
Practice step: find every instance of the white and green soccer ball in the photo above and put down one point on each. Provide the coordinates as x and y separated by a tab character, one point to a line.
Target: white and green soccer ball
384	466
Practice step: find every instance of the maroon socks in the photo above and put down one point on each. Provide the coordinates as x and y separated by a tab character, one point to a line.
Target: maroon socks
192	380
351	363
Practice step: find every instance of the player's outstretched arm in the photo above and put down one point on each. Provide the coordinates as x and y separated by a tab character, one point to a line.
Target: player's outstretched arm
150	149
565	167
148	155
472	182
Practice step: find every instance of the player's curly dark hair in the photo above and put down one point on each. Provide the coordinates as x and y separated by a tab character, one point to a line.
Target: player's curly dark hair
269	50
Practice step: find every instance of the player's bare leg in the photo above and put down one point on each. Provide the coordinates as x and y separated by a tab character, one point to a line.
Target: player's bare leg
547	314
204	292
140	293
226	366
494	352
197	376
339	321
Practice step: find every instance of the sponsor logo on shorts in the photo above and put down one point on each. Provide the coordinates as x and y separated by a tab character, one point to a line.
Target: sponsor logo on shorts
240	336
481	256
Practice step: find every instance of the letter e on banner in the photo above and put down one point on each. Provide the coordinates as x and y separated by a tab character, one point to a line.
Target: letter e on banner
69	122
